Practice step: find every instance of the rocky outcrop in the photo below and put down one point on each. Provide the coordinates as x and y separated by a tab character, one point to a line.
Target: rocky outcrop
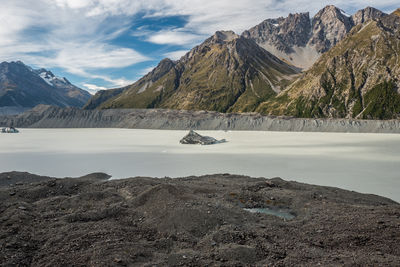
329	26
53	117
194	138
366	14
191	221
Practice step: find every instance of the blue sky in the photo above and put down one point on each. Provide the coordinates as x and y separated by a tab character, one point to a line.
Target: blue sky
100	44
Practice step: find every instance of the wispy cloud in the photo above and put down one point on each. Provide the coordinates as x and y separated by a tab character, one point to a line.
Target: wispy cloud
174	36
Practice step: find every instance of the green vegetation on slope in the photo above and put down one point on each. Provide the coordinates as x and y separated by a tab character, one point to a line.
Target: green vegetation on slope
382	102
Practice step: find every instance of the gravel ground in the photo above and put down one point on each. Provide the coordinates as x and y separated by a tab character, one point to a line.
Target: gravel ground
192	221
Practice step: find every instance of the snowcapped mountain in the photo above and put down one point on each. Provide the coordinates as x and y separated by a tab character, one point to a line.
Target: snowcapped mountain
23	87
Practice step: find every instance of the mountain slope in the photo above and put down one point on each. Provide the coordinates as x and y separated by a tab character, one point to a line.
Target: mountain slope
358	78
225	73
300	40
21	86
141	94
102	96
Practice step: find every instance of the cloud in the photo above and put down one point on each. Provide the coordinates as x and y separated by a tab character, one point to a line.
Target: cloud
94	56
174	36
175	55
61	34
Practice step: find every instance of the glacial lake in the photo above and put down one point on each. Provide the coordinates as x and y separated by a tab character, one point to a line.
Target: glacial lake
367	163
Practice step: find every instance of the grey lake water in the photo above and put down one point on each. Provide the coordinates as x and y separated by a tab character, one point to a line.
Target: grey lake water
367	163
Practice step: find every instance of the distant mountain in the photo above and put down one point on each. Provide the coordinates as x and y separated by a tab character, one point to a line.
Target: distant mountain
22	87
225	73
358	78
300	40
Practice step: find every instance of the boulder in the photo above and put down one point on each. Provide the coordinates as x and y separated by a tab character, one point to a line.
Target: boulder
194	138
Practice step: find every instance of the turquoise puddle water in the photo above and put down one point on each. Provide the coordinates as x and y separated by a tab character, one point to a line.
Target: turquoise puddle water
281	213
367	163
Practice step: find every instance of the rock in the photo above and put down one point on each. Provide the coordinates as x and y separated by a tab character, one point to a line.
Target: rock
366	14
9	130
194	138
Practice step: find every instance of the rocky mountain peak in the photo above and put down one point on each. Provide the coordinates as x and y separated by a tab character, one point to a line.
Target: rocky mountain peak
282	32
329	26
295	29
224	36
366	14
396	12
162	68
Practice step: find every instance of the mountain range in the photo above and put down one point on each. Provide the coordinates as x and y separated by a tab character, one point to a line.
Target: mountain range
333	65
22	87
300	40
357	78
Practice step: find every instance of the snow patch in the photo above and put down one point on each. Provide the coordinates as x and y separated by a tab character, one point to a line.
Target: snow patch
344	13
50	79
46	78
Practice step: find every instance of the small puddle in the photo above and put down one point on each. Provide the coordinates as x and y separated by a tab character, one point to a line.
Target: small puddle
281	213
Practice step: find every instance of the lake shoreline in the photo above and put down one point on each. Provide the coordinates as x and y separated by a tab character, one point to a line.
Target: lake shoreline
363	162
44	116
194	221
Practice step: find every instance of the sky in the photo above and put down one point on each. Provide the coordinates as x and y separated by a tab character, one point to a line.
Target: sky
103	44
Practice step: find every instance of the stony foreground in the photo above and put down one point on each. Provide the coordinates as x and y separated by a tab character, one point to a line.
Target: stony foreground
193	221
